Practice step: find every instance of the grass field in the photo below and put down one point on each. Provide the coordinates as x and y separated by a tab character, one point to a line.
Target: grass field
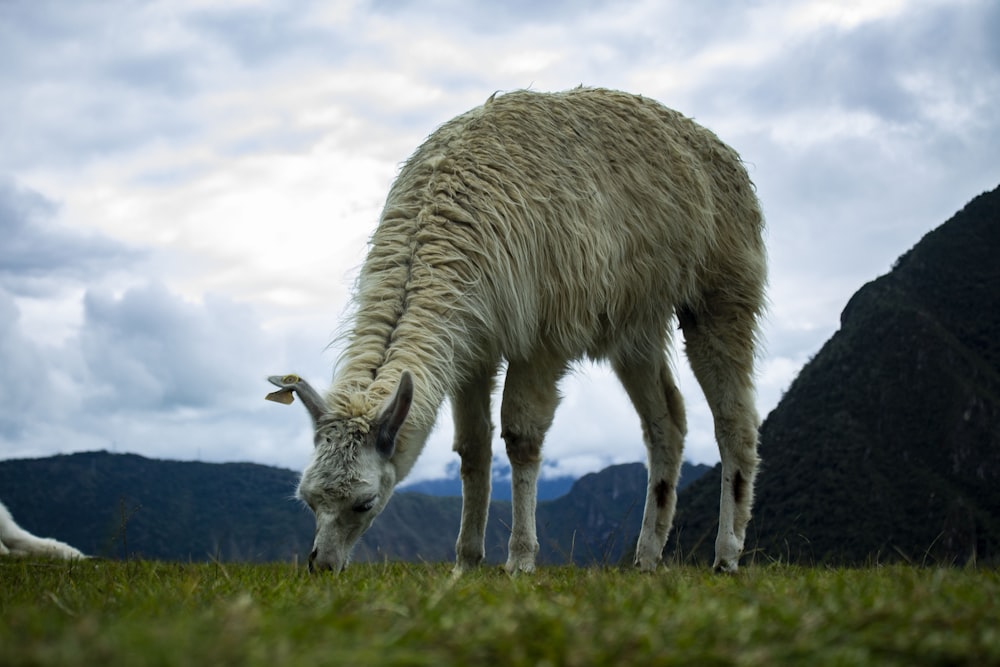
149	613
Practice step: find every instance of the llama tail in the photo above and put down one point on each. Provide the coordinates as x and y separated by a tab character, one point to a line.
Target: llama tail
16	541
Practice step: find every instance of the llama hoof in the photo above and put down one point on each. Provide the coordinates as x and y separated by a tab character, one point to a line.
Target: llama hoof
647	565
728	549
515	567
466	564
726	566
647	556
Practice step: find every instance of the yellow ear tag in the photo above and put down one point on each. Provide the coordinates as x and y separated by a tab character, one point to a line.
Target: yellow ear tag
285	396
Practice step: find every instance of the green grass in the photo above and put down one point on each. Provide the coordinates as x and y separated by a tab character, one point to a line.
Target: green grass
150	613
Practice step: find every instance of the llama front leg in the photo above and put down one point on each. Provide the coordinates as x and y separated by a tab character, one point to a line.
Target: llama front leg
661	410
529	401
473	436
525	462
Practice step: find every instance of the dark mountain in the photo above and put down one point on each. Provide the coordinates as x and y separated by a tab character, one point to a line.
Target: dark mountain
105	504
887	444
548	487
116	504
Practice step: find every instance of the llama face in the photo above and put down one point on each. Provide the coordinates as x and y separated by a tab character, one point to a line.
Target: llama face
346	485
351	475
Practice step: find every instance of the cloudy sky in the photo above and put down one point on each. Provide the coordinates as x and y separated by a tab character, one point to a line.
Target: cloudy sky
187	188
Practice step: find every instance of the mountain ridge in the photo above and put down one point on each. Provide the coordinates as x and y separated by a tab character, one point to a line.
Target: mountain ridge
886	446
125	505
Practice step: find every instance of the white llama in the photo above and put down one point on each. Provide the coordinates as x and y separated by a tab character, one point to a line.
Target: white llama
16	541
536	230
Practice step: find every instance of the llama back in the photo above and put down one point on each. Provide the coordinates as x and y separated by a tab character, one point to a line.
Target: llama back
576	222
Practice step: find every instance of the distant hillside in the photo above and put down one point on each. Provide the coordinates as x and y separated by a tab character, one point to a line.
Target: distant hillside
548	487
106	503
887	444
599	520
596	522
116	504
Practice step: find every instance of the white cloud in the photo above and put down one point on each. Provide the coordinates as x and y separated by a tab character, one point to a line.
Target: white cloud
151	372
844	15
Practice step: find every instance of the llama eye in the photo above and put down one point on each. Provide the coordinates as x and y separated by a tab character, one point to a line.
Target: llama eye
364	505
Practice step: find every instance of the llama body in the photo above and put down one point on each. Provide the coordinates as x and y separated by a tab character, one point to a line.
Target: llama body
16	541
536	230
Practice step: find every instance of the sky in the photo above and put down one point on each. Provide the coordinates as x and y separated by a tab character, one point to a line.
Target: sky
187	188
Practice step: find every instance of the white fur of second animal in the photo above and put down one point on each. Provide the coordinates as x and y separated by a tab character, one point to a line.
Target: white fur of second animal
16	541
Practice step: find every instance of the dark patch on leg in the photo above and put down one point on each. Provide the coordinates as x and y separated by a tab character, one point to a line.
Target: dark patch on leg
662	492
739	487
521	450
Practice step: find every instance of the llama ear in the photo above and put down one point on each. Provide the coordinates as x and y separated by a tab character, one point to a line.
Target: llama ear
293	383
393	414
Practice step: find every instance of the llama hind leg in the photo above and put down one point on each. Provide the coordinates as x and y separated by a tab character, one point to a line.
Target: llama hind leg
719	342
656	398
473	442
530	397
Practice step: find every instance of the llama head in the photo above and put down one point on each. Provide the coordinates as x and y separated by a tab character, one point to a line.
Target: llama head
351	475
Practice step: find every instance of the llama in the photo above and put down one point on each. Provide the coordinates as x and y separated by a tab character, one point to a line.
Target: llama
16	541
533	231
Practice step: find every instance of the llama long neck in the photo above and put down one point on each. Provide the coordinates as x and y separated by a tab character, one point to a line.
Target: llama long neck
368	376
405	321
